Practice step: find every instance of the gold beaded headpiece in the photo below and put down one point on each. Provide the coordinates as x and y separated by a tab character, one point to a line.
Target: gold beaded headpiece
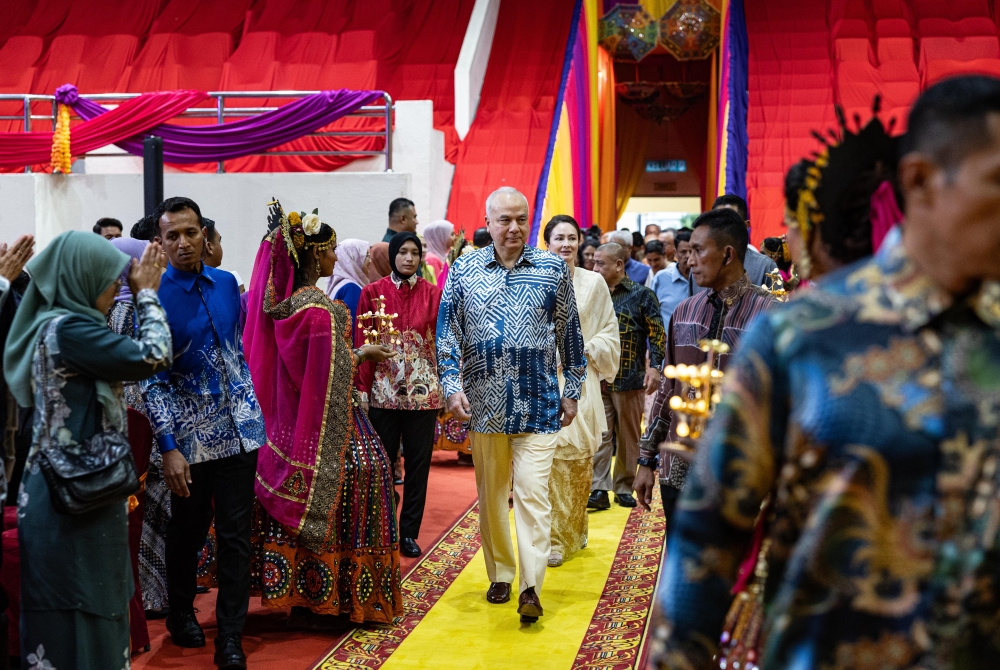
296	226
834	170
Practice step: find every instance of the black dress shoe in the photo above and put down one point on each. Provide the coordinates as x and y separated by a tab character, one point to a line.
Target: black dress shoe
498	593
408	547
625	499
529	606
229	652
598	500
184	630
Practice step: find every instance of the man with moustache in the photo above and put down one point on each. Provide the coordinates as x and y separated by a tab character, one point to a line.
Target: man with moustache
208	427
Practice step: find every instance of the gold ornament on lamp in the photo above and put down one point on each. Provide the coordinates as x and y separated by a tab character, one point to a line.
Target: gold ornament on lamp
378	326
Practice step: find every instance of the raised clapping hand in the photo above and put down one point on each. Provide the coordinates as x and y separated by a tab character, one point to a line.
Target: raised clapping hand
146	273
13	258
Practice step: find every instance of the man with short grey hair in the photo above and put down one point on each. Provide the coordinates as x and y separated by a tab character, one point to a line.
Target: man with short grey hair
636	271
507	311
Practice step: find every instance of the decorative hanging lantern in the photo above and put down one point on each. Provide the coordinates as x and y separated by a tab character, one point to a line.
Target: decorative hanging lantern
690	29
628	32
660	100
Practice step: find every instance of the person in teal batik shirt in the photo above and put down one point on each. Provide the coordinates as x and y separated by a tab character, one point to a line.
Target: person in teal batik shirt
869	409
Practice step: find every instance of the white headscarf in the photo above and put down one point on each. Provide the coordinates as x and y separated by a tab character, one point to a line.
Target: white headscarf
350	267
438	235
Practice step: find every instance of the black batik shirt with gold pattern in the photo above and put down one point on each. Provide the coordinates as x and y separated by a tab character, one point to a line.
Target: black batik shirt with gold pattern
639	324
870	407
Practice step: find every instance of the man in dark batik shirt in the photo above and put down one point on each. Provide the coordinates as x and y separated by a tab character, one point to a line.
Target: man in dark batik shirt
719	245
639	323
869	409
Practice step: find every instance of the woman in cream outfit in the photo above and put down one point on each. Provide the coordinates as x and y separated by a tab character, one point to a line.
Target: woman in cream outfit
573	465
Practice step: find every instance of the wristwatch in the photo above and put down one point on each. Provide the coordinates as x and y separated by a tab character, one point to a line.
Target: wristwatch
653	462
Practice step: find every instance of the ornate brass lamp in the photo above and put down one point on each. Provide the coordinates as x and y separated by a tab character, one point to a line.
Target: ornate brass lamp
700	389
378	326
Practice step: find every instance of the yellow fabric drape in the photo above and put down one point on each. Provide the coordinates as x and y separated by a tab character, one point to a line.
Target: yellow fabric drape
606	196
559	197
657	8
633	133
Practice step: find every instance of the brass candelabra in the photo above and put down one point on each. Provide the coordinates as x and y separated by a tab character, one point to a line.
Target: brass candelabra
700	389
778	289
378	326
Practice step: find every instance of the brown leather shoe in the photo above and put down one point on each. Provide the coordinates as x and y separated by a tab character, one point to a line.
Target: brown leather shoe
529	607
499	593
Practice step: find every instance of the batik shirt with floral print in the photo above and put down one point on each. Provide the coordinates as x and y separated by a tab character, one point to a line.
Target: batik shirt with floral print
204	405
869	408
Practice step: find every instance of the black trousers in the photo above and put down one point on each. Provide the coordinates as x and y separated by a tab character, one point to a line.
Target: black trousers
416	429
669	495
228	482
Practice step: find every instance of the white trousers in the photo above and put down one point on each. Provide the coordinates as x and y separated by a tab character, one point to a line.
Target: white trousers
530	456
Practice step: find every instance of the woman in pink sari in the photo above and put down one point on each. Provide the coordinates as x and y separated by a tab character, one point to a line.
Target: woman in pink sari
327	539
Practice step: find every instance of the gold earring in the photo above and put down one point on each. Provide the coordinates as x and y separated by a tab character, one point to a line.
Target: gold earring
319	269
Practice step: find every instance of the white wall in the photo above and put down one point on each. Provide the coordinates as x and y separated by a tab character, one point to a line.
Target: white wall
418	150
355	204
470	69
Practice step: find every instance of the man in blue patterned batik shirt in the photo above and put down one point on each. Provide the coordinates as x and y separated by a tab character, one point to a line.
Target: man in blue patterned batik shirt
868	410
508	317
208	427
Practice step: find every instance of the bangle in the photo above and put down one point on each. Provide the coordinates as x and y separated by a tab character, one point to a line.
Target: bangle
359	353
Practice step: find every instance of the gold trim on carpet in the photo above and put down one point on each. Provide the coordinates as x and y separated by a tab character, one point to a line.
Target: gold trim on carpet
371	646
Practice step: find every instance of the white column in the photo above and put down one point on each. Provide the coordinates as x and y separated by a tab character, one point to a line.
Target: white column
470	70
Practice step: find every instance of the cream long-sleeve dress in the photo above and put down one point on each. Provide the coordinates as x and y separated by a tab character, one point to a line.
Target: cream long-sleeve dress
573	465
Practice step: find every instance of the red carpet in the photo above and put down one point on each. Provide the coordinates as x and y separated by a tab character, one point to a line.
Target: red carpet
268	643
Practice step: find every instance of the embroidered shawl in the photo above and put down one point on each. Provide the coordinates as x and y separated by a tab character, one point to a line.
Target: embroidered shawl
297	345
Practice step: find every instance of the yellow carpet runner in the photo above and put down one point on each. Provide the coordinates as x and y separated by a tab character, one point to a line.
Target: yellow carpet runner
596	606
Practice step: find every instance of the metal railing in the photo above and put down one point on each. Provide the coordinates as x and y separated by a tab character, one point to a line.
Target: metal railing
220	113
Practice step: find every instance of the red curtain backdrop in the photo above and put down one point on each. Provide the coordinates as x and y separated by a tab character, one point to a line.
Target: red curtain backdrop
405	47
806	56
507	142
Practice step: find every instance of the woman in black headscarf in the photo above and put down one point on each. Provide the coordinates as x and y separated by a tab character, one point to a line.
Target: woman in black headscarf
403	393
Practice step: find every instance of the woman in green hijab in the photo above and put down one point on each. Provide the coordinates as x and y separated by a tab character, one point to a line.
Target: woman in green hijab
61	358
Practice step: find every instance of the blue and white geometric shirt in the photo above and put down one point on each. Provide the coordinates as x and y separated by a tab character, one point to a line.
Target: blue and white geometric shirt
498	333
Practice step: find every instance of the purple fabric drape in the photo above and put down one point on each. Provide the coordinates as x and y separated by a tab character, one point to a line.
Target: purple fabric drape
199	144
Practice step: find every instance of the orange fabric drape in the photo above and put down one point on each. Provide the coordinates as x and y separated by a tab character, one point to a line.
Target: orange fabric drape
607	197
633	133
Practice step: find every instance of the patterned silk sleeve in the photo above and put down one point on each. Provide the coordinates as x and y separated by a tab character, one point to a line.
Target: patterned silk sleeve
654	326
156	390
734	470
659	414
449	332
94	350
569	337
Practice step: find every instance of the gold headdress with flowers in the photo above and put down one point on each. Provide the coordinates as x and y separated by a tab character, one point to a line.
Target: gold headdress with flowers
295	227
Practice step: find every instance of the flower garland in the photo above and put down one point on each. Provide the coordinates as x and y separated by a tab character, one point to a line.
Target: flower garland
62	158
